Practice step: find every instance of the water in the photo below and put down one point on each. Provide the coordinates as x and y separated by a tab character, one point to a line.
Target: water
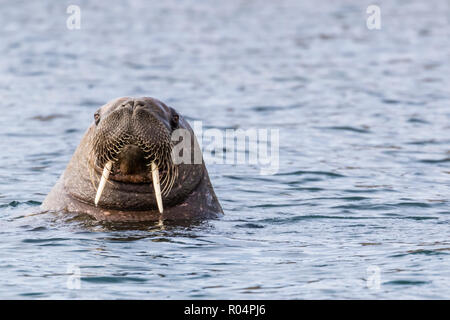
361	196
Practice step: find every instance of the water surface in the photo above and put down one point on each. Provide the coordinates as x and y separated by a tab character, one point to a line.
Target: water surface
363	183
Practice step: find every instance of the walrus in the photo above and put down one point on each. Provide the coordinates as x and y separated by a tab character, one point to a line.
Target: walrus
124	168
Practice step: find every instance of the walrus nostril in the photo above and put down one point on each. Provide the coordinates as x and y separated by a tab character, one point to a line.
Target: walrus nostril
133	104
138	103
127	105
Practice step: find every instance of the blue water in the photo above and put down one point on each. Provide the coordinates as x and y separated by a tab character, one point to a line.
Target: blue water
359	207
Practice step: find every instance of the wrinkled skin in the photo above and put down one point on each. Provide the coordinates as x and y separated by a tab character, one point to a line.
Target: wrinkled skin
132	133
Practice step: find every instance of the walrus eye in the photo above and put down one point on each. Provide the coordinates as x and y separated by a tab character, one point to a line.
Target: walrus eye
174	121
97	118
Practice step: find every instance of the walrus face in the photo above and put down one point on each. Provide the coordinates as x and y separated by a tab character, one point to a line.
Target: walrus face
131	144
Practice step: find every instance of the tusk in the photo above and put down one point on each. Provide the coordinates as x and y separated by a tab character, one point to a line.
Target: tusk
157	186
105	176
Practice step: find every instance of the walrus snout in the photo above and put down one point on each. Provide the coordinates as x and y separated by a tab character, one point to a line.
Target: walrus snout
132	122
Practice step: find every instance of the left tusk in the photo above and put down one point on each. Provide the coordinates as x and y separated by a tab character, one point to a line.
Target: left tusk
157	186
101	186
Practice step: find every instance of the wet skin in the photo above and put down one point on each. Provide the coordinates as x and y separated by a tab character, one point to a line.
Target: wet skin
131	133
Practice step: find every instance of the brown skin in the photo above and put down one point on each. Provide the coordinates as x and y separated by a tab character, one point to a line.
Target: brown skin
132	133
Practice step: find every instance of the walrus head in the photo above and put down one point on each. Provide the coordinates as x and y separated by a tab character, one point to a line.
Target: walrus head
138	161
129	157
132	144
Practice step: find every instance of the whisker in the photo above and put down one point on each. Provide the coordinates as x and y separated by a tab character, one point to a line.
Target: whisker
108	149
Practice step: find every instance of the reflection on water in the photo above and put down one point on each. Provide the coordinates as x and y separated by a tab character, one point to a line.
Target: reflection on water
363	182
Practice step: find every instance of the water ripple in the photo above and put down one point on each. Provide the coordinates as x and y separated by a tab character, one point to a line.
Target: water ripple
363	163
